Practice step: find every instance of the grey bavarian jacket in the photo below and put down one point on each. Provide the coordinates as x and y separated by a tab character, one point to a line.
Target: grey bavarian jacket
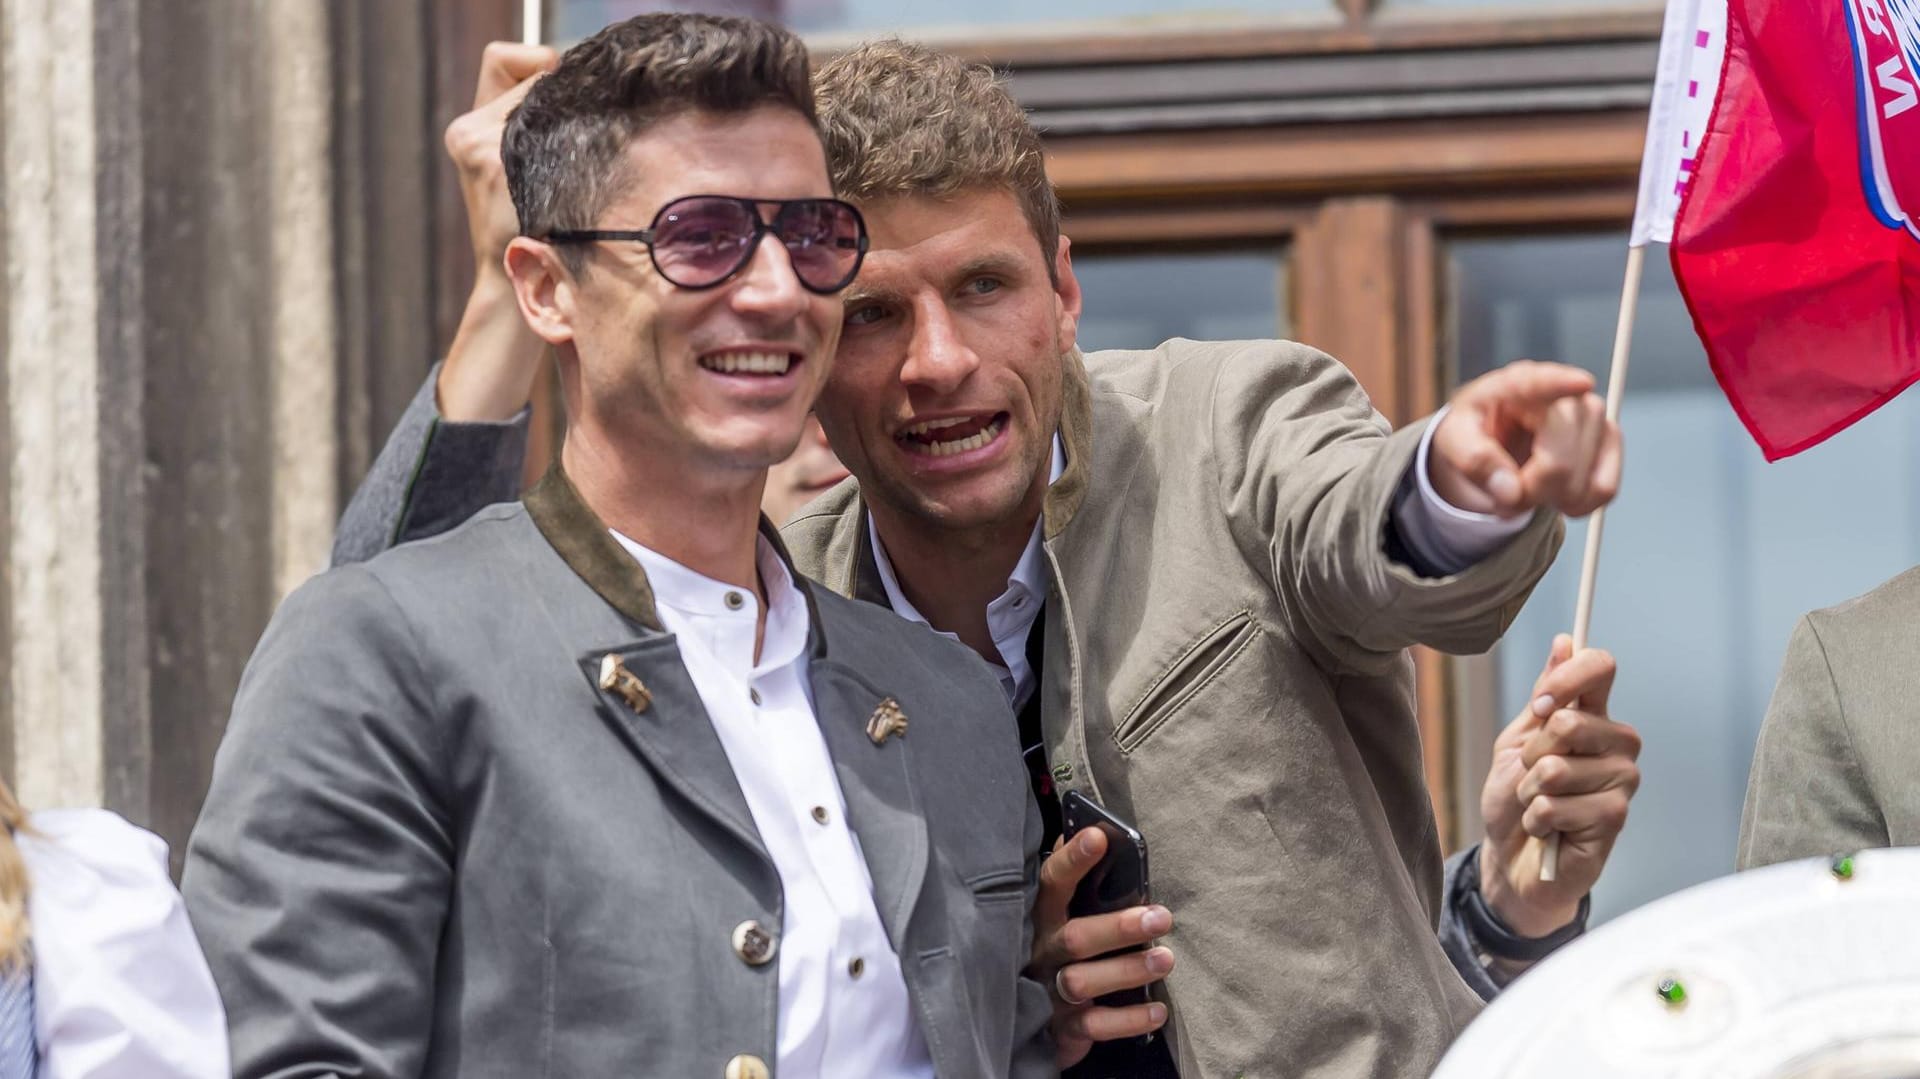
1247	701
439	844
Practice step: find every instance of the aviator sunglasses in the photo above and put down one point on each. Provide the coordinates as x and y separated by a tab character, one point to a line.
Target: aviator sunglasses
701	241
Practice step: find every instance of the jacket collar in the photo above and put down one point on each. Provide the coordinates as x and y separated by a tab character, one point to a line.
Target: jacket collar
1066	494
587	546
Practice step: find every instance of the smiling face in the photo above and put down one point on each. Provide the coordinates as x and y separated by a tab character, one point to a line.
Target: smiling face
719	377
946	393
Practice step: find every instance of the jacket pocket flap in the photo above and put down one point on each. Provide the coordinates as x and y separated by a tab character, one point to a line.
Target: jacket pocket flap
1205	658
999	884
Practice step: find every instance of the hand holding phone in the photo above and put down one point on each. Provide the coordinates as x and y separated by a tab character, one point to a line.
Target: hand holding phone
1094	934
1119	881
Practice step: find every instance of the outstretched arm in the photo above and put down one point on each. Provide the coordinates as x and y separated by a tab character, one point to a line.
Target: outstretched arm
1311	478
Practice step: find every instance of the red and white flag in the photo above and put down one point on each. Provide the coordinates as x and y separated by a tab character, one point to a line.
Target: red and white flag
1684	86
1797	241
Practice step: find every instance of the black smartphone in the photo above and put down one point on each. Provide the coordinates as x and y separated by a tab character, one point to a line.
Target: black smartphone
1120	880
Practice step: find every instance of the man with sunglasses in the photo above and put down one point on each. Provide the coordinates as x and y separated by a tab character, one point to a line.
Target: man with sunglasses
597	784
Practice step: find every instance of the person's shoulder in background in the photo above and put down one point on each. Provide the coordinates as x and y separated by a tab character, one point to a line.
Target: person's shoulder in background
121	988
1832	766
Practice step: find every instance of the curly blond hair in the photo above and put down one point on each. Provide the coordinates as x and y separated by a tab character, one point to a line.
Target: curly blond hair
902	119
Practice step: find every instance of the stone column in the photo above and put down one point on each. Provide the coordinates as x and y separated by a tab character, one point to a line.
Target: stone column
218	244
54	580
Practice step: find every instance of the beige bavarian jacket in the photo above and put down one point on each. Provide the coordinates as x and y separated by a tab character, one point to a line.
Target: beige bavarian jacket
1226	667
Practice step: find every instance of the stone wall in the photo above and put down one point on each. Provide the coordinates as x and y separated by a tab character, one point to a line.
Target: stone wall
223	225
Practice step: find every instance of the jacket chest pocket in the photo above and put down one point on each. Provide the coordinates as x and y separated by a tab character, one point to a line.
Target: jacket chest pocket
1205	660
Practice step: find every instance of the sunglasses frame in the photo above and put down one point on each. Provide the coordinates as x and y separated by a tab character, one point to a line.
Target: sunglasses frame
761	228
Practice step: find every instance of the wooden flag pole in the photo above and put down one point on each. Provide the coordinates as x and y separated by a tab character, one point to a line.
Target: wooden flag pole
532	22
1596	524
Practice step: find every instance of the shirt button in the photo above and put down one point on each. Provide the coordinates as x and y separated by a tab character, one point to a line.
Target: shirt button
753	944
754	695
820	814
856	967
735	601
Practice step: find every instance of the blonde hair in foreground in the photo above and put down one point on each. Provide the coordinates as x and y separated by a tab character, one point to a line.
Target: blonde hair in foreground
900	119
13	884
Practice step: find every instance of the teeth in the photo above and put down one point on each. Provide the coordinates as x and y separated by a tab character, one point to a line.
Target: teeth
972	442
751	363
935	425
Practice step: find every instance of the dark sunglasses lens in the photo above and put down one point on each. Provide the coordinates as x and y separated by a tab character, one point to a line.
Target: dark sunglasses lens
822	238
697	242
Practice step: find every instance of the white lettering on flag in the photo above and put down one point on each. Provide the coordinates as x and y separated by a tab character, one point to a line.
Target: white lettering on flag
1886	50
1692	47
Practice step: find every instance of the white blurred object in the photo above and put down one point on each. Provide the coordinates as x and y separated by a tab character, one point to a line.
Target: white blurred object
121	990
1789	972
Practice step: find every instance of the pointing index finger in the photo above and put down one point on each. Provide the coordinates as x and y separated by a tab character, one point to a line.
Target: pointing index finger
1529	386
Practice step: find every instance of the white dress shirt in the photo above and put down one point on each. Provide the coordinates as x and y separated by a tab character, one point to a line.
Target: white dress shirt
1450	539
121	990
844	1009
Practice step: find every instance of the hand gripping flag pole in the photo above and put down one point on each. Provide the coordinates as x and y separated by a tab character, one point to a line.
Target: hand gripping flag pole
1692	46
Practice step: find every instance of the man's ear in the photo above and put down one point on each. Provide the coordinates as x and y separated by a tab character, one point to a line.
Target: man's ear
544	288
1067	290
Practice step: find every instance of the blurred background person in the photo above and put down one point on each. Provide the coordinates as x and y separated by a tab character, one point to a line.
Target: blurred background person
102	976
1833	770
803	477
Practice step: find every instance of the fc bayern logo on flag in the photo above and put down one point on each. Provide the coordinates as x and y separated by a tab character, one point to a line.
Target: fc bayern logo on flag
1886	54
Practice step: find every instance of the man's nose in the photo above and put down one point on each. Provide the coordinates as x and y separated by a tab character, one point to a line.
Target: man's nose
938	357
769	285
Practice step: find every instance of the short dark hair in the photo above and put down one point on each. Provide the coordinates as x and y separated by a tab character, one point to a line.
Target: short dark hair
564	145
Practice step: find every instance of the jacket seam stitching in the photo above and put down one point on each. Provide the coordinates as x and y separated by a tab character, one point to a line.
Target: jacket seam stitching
1840	708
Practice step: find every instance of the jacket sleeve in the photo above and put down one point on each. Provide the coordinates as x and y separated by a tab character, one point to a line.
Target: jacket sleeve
430	477
1807	794
318	877
1309	473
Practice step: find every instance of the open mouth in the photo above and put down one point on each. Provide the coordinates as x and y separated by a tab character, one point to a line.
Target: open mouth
765	364
956	434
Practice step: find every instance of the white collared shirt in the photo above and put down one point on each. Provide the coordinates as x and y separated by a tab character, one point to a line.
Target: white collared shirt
1450	538
1009	617
844	1008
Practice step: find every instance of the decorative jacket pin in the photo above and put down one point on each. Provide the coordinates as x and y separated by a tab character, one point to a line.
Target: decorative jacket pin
616	679
887	720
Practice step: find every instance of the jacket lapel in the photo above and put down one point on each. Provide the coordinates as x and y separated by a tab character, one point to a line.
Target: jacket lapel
1065	494
877	781
653	707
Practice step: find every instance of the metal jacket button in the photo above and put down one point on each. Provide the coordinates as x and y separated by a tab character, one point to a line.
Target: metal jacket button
753	944
747	1066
